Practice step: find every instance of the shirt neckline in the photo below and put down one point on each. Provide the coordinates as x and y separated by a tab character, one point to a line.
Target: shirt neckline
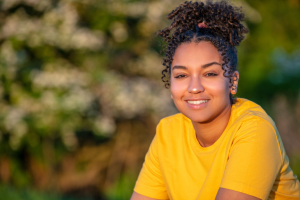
197	148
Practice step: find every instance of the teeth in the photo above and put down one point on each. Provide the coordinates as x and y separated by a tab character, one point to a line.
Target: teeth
197	102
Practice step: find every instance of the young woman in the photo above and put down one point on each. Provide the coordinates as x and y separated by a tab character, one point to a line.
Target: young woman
217	147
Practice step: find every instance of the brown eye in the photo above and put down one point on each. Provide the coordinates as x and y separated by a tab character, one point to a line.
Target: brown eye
180	76
211	74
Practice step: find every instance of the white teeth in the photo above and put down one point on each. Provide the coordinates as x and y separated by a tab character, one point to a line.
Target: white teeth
197	102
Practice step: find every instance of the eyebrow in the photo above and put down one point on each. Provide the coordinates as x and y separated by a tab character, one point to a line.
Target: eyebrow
210	64
179	67
203	66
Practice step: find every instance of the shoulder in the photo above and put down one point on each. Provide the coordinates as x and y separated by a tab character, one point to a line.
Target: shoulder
248	112
173	127
258	127
174	122
254	125
252	121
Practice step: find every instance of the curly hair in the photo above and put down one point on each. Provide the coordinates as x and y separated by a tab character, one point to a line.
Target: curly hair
223	29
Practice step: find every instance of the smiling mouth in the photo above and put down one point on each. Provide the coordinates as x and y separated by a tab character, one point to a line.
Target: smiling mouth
197	102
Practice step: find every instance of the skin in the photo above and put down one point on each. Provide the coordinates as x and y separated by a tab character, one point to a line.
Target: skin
197	74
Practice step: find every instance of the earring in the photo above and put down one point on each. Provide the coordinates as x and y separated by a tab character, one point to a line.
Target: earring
233	90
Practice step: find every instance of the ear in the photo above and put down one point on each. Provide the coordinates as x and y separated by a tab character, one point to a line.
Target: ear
235	78
171	96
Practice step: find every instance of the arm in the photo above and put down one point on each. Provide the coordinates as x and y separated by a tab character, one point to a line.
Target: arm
137	196
226	194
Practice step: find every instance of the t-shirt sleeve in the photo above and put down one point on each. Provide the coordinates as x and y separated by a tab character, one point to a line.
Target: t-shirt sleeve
254	160
150	181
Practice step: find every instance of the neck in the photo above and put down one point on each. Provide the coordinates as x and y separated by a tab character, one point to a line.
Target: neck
209	132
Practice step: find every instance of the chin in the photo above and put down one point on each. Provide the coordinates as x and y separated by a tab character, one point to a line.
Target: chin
199	118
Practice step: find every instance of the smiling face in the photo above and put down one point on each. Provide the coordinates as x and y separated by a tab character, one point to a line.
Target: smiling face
199	89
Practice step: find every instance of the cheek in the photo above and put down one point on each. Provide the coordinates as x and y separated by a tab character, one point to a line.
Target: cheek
219	88
178	88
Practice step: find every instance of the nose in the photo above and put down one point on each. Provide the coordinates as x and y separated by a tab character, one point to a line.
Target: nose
195	86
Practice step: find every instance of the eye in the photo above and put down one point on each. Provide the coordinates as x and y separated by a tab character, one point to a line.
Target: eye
211	74
180	76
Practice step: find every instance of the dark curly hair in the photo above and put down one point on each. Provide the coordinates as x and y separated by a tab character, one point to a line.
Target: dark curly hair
223	29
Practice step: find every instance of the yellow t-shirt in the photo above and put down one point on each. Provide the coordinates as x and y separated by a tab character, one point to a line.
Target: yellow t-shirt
249	157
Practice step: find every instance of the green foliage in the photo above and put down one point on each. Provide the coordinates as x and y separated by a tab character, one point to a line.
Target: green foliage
264	55
295	165
10	193
71	70
123	188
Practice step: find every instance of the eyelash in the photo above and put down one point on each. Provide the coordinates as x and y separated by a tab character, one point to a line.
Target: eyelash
180	76
212	74
207	75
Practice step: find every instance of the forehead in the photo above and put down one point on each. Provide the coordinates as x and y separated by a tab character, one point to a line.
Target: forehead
195	54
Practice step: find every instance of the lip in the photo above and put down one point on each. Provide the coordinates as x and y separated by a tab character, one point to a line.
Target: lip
197	106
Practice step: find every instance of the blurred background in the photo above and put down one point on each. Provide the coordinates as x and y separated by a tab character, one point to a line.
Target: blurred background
81	94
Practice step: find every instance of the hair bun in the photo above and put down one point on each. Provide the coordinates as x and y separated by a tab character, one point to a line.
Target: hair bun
222	18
